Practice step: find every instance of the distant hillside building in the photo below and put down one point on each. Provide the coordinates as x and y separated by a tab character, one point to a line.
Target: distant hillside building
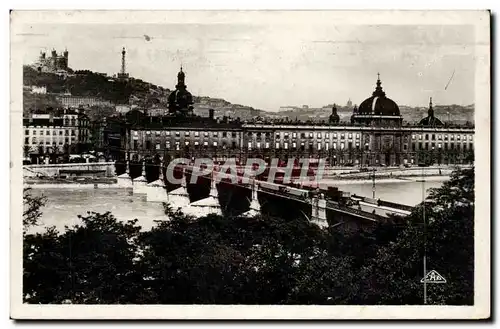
123	108
82	101
56	63
37	89
212	102
287	108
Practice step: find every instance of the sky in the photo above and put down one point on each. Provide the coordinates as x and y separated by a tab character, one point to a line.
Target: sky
268	66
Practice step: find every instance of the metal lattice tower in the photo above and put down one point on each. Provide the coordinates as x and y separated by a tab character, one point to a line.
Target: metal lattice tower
123	70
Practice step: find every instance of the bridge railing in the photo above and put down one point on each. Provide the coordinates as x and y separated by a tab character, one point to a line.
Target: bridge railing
395	205
384	203
333	205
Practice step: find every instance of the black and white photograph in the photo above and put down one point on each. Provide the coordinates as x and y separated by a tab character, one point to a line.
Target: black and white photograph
250	164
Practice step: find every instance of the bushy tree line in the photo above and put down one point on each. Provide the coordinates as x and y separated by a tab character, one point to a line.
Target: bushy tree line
264	260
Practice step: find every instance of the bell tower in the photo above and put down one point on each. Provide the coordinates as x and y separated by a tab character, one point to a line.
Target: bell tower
181	76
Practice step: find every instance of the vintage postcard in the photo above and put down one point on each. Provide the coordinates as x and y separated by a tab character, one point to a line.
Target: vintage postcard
250	164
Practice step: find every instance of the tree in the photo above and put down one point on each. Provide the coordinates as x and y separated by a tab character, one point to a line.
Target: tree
393	276
31	208
91	263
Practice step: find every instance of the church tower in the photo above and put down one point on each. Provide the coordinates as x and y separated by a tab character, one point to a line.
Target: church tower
181	84
180	101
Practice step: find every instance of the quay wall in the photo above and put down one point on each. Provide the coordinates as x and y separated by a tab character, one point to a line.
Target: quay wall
53	169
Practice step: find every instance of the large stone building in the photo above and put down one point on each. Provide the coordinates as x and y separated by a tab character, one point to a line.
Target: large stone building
56	63
57	132
69	101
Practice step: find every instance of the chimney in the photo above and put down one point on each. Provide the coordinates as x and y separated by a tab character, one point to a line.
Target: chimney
51	117
211	114
30	117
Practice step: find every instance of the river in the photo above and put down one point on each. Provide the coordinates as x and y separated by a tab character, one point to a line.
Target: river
64	205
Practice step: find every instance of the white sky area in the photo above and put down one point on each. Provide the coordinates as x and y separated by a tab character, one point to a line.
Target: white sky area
268	66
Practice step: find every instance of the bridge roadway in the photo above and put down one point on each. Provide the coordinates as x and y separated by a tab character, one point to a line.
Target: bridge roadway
363	208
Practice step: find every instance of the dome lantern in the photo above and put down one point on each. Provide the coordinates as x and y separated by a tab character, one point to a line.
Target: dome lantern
378	90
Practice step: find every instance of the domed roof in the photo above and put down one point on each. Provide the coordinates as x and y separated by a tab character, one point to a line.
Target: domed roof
180	98
334	117
378	103
431	120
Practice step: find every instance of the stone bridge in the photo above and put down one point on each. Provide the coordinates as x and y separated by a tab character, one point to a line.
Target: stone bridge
251	196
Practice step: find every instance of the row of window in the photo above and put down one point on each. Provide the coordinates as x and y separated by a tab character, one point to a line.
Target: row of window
258	135
442	137
319	135
432	146
177	145
72	122
47	142
188	133
294	146
309	146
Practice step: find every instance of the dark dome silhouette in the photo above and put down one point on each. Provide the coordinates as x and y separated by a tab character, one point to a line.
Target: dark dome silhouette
378	103
334	117
180	99
431	120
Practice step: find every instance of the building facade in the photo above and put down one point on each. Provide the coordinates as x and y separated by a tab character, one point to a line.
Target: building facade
54	133
194	138
375	136
340	145
54	64
355	145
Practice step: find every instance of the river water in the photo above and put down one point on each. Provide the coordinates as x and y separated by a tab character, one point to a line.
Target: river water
64	205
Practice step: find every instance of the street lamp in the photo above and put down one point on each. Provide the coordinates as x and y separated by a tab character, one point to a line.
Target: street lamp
373	185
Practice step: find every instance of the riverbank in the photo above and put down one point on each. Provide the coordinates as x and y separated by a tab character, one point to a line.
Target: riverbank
362	181
322	182
70	186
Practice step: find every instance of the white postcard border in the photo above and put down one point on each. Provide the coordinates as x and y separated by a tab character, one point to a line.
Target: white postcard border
481	309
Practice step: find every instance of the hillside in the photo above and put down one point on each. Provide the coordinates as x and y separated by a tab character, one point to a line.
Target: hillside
457	113
88	83
32	102
147	95
133	92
